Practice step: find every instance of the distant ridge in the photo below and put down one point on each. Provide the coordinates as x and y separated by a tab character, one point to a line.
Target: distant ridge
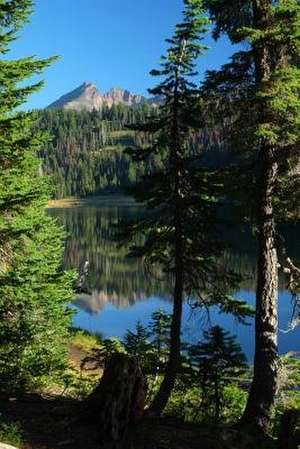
88	97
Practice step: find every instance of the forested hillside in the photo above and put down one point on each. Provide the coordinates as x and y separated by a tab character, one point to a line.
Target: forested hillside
85	152
170	318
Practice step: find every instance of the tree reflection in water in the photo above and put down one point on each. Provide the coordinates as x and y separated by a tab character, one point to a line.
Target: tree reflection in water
122	281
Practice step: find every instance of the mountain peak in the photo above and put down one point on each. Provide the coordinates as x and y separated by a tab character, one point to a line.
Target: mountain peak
88	85
88	97
117	95
116	89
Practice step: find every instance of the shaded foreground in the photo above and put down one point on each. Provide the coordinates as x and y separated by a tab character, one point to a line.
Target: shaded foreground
51	422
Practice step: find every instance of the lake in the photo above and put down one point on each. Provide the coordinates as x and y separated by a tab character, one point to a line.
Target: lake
120	291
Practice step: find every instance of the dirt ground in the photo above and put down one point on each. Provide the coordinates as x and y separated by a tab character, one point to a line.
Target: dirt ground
49	422
58	423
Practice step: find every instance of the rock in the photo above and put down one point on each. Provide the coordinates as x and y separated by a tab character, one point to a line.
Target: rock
120	96
6	446
85	97
88	97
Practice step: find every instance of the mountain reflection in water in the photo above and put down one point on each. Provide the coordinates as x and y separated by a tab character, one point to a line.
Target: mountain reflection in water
113	277
96	301
119	290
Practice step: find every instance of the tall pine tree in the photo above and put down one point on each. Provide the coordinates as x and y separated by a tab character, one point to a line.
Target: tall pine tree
34	290
255	101
179	229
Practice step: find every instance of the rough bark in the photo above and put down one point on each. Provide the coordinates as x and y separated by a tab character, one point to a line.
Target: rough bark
118	401
264	384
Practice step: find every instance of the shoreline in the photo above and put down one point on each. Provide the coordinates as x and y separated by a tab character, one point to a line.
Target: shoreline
109	200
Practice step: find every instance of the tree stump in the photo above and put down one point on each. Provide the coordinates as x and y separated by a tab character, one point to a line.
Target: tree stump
118	401
289	433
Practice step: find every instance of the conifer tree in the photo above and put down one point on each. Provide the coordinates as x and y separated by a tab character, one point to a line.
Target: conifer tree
159	330
34	290
137	342
216	359
179	229
254	101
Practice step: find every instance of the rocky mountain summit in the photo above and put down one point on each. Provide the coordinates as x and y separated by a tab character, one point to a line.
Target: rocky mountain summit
88	96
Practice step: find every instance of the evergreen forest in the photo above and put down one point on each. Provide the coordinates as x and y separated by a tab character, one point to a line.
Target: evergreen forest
85	154
142	238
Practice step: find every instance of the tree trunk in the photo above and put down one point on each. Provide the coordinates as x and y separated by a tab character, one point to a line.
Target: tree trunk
217	402
264	384
118	401
160	400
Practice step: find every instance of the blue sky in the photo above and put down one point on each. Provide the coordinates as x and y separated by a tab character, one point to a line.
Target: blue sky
108	42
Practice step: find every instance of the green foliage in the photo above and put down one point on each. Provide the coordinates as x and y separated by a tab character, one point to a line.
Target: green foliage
85	155
288	396
234	402
254	101
75	383
159	331
84	340
34	290
180	230
112	345
11	433
216	360
185	404
208	388
262	111
136	342
85	151
150	344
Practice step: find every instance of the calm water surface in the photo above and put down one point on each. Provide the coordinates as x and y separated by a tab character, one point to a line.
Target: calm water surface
120	291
